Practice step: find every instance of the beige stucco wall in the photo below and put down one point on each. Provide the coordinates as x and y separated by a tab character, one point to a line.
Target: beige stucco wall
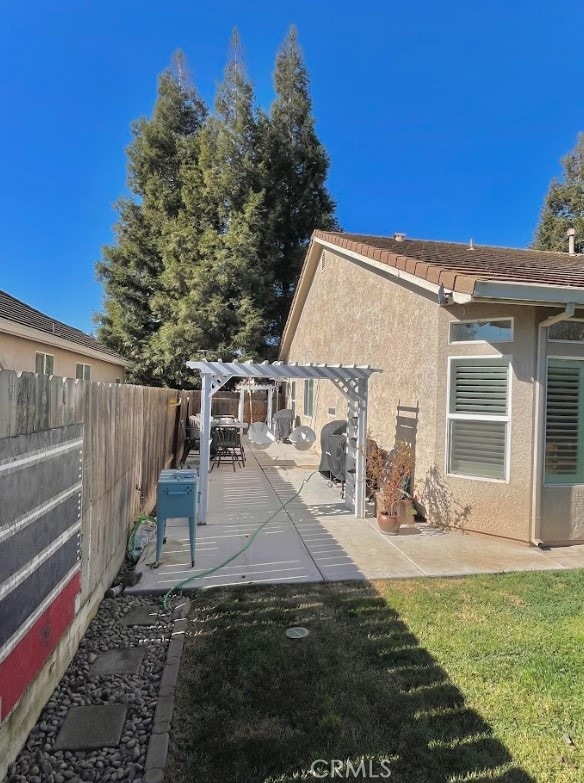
498	508
18	353
356	315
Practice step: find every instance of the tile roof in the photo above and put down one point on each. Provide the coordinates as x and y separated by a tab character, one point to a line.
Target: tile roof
14	310
458	267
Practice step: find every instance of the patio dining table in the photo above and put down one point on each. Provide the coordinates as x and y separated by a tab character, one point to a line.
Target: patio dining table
233	424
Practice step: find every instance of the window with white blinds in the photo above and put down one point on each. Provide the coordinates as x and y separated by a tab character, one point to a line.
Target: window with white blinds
564	422
478	418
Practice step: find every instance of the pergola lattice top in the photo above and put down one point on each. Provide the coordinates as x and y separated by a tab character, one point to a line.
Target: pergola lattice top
282	370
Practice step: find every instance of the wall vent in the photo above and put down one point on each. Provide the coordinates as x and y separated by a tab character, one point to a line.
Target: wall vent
322	260
332	411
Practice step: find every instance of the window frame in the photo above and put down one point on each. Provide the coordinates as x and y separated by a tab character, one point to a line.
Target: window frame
308	384
84	366
564	342
481	320
543	438
44	355
480	417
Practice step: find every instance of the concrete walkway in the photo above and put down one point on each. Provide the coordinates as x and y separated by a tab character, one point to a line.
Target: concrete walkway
316	538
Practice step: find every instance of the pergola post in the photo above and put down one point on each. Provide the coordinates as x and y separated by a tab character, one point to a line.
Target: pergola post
361	450
205	447
270	406
241	408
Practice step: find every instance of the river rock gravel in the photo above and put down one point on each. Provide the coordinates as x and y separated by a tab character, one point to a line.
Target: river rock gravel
39	763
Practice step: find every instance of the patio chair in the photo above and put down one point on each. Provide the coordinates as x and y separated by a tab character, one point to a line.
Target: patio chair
282	424
228	444
192	439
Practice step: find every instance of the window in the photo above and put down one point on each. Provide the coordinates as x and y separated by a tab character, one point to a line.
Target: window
495	330
566	331
309	398
83	372
45	364
478	418
293	391
564	422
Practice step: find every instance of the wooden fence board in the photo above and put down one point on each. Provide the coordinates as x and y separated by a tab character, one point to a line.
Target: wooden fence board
130	434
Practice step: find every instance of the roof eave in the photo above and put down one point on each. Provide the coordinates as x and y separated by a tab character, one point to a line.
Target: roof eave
302	288
527	293
38	335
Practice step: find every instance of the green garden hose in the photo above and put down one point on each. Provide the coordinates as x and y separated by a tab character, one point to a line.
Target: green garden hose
247	545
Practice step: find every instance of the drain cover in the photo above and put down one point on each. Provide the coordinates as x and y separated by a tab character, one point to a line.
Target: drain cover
296	632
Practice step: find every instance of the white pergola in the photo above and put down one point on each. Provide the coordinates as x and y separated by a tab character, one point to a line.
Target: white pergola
351	380
242	388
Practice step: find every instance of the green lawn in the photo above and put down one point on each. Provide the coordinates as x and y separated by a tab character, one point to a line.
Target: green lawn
475	679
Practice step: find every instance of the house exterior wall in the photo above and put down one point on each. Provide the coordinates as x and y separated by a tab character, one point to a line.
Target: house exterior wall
355	315
493	507
19	354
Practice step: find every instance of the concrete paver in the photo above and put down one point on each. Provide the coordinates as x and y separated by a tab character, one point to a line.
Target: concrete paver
93	727
141	615
126	660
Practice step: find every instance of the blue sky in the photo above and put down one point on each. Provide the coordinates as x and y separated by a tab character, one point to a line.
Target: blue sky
444	120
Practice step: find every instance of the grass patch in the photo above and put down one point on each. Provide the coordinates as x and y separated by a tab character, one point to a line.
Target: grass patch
474	679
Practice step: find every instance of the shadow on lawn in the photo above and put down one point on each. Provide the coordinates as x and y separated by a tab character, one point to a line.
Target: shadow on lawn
253	705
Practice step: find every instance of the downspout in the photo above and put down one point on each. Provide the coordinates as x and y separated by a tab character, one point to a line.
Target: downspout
539	444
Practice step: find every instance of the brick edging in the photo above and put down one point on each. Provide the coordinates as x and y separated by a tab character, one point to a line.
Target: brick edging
159	739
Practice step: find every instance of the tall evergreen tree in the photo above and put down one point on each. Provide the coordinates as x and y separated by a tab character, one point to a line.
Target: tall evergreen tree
209	245
131	267
296	167
225	284
564	205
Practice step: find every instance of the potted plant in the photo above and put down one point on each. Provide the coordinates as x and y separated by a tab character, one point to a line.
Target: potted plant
392	474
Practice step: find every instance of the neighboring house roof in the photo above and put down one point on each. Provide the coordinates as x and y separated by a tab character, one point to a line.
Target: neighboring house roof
467	272
12	309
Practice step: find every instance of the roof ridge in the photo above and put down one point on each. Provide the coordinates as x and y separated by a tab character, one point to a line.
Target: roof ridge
476	245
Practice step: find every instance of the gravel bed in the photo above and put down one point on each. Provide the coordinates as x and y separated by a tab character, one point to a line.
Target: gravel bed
38	763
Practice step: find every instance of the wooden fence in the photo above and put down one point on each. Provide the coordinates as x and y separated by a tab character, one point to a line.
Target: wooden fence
127	435
225	403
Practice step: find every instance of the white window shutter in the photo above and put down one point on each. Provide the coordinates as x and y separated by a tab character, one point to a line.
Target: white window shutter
563	423
479	418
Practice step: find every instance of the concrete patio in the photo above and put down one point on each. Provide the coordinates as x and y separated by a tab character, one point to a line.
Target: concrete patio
316	538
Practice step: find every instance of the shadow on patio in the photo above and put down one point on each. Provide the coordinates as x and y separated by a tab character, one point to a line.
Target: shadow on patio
316	537
293	547
254	705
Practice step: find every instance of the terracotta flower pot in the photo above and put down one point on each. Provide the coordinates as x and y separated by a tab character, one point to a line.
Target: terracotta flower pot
388	524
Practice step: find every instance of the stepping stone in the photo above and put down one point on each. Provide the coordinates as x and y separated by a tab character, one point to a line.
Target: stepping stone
90	728
123	661
142	615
